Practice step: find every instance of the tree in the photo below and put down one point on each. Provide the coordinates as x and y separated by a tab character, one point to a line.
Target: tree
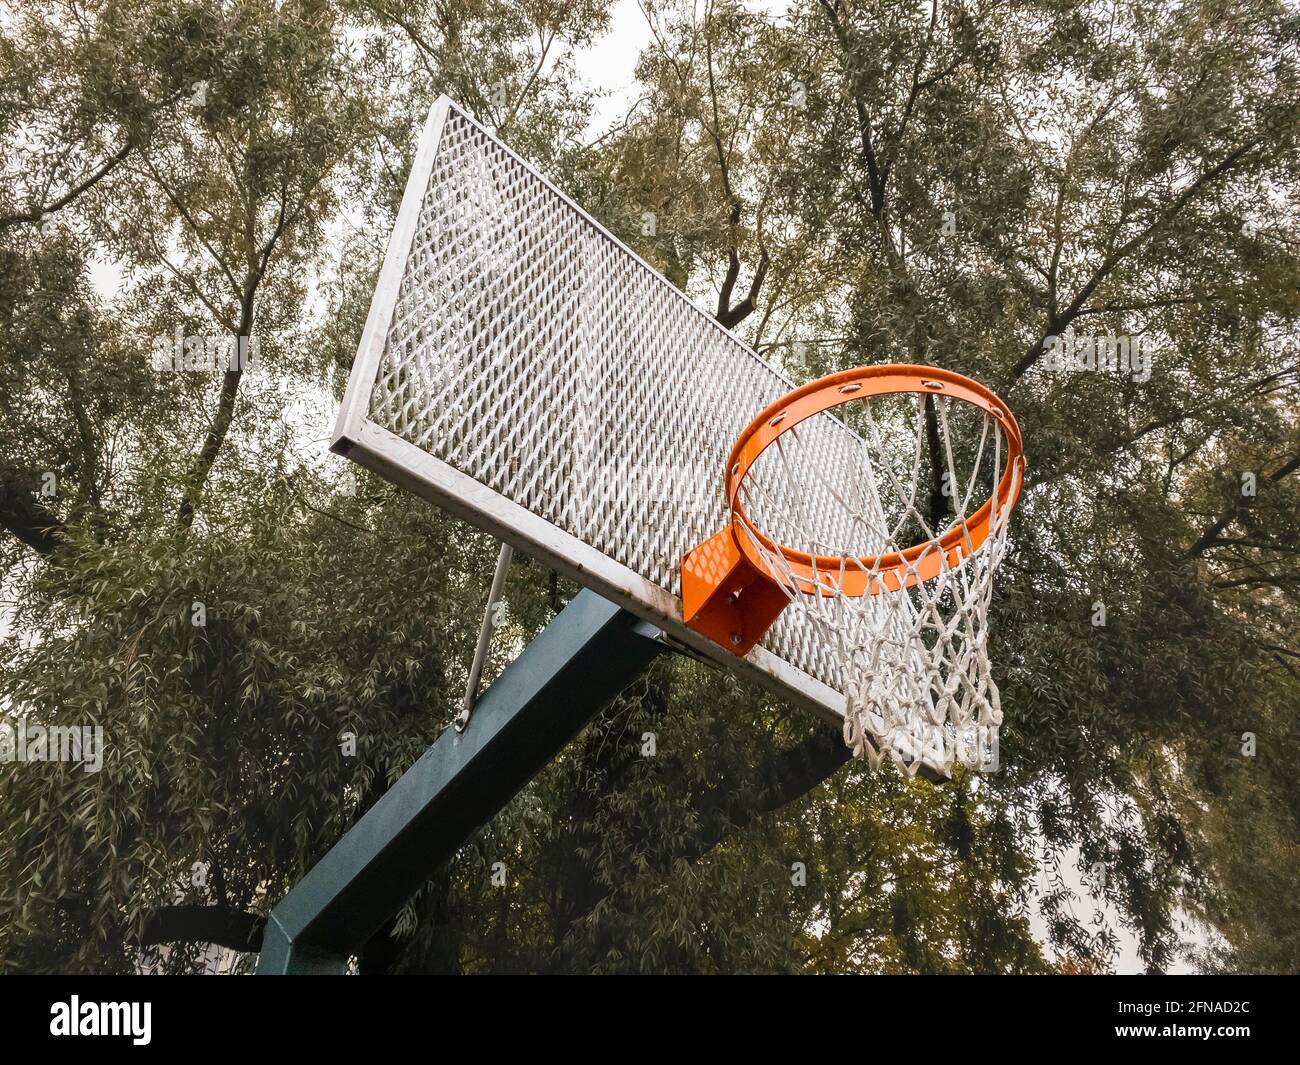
268	639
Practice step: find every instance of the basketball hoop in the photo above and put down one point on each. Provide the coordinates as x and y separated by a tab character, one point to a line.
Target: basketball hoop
880	549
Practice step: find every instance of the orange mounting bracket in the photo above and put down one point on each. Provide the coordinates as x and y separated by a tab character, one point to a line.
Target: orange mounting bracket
716	577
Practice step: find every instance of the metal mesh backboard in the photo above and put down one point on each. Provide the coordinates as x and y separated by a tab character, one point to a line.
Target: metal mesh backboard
524	369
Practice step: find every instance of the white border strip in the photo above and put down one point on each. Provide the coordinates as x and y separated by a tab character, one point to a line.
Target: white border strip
355	408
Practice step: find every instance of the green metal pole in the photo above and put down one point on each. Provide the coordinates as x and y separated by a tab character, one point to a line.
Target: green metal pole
581	660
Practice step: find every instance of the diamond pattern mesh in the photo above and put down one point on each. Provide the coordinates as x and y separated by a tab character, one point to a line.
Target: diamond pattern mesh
533	352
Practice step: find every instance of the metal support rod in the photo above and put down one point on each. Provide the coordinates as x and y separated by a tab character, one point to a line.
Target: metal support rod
589	653
485	633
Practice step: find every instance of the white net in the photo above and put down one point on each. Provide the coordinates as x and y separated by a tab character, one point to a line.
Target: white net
914	660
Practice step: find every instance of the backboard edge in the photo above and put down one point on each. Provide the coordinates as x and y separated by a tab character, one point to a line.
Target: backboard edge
355	406
403	463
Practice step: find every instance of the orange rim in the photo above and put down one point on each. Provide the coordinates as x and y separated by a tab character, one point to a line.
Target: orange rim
895	570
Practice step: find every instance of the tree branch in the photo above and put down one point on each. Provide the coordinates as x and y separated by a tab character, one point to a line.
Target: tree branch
211	444
37	213
1210	534
23	517
1056	323
220	925
733	316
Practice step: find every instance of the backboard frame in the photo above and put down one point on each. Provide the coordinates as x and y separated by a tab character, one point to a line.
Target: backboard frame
376	448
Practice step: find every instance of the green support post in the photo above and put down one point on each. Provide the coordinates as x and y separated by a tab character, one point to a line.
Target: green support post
581	660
